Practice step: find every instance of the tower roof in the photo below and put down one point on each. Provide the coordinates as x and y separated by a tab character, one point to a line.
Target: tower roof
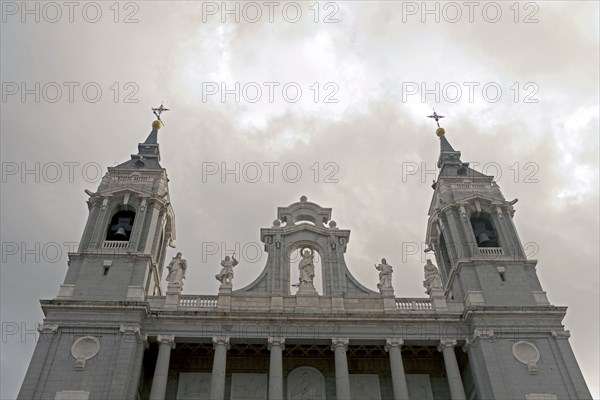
148	156
449	161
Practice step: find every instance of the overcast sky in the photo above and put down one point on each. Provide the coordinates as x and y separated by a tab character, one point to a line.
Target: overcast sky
339	93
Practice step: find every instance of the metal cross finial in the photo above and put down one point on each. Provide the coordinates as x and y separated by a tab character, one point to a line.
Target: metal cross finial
436	116
159	110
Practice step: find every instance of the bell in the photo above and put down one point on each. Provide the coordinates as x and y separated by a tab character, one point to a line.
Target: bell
483	239
121	234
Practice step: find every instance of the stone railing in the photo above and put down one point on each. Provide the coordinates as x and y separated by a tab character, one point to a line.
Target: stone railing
491	251
115	244
413	304
128	177
198	301
469	186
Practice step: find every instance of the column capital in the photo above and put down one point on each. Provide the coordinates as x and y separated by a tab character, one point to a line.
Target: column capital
445	343
276	341
166	339
220	340
340	342
393	342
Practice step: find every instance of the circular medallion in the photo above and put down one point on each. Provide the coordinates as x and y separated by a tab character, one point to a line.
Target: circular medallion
525	352
85	348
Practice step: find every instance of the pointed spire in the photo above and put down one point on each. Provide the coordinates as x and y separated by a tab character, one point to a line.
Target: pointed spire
153	136
449	161
447	153
148	155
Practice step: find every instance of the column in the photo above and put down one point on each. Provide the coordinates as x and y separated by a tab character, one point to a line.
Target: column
276	346
393	346
217	382
161	372
457	391
342	379
137	369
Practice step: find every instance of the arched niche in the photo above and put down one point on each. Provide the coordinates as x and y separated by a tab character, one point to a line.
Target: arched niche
306	383
294	255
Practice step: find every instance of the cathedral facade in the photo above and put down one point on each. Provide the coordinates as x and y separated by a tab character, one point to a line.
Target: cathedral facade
115	331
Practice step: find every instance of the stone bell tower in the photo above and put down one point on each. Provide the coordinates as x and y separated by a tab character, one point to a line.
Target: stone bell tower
131	222
516	343
472	234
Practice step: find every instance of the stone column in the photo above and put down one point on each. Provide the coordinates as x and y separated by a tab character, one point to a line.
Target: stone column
161	372
276	346
393	346
342	378
457	391
217	382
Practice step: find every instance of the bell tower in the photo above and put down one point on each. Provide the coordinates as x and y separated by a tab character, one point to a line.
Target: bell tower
471	231
131	222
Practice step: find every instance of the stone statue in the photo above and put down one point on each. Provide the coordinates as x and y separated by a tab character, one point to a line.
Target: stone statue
385	276
176	268
226	274
307	268
432	277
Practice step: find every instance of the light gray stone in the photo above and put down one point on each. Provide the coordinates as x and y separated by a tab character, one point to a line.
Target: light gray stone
193	386
365	386
306	383
249	387
419	387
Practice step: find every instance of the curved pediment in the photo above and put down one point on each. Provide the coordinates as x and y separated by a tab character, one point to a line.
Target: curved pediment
302	226
304	211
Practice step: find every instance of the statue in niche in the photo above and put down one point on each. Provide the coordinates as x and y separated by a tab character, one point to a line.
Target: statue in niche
385	275
307	268
226	274
432	277
176	268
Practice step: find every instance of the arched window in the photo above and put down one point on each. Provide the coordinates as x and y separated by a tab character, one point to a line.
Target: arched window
120	226
484	231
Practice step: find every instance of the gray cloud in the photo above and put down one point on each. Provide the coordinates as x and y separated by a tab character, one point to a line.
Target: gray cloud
369	134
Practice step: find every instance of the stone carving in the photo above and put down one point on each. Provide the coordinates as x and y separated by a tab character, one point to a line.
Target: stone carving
84	349
385	276
275	341
72	395
527	353
339	342
463	211
249	387
177	268
226	274
432	277
129	329
540	396
562	334
391	342
306	267
306	383
194	386
365	386
419	387
47	328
